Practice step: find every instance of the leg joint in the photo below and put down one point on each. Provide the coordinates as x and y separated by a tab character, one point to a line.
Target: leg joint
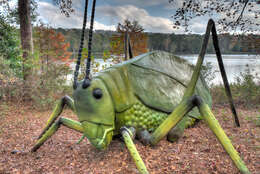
59	121
211	22
196	100
65	100
131	131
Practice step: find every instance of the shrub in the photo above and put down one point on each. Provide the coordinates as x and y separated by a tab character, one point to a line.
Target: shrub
245	90
9	82
9	46
50	86
48	78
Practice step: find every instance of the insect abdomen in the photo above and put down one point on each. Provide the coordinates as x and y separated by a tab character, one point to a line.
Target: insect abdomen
141	117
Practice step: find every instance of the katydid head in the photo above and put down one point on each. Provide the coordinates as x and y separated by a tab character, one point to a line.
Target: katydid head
95	111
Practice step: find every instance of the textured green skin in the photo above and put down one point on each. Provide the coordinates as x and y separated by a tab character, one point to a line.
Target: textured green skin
142	117
134	109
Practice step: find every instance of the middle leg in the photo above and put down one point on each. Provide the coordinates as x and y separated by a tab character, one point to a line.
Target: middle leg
128	136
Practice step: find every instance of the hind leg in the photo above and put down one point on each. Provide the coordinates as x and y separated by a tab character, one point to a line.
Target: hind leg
176	132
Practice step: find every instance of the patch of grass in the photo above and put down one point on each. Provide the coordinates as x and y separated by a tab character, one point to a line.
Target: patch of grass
4	108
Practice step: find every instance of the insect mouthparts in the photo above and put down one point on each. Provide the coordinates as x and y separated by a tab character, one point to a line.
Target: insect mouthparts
86	83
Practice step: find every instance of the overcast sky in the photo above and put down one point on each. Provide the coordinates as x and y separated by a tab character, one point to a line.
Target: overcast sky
153	15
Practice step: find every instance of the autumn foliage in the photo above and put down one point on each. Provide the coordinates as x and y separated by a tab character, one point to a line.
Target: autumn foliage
138	38
51	66
52	46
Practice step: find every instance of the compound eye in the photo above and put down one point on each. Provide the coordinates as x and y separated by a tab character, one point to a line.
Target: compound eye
97	93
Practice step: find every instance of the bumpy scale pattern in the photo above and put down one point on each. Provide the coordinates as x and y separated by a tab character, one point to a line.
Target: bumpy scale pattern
143	118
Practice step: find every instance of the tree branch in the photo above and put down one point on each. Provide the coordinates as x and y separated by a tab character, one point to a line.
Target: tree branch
241	14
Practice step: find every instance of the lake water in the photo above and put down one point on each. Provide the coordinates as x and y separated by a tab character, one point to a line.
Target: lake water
234	65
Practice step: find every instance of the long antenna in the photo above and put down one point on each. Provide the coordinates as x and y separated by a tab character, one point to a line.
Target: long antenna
76	73
86	82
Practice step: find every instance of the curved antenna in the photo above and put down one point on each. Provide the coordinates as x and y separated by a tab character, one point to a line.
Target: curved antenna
76	73
86	82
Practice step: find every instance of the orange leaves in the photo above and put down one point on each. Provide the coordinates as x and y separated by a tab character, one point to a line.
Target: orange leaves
138	39
52	45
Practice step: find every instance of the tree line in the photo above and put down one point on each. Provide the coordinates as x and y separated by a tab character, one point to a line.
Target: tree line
174	43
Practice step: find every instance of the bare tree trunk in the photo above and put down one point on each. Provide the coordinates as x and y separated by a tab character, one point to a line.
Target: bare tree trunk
126	46
26	35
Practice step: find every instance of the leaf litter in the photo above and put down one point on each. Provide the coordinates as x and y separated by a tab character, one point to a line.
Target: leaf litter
198	151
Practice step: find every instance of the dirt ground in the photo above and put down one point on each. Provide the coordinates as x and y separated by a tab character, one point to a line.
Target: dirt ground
197	152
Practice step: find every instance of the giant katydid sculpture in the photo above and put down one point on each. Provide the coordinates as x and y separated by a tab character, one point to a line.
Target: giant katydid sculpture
151	96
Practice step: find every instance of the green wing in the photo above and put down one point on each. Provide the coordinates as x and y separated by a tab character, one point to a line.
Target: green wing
159	80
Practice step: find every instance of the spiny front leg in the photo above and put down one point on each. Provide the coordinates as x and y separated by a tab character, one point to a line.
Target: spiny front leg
54	127
128	135
182	109
66	100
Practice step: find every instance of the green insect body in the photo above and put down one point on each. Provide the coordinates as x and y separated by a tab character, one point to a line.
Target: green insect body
140	94
153	95
134	109
133	106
